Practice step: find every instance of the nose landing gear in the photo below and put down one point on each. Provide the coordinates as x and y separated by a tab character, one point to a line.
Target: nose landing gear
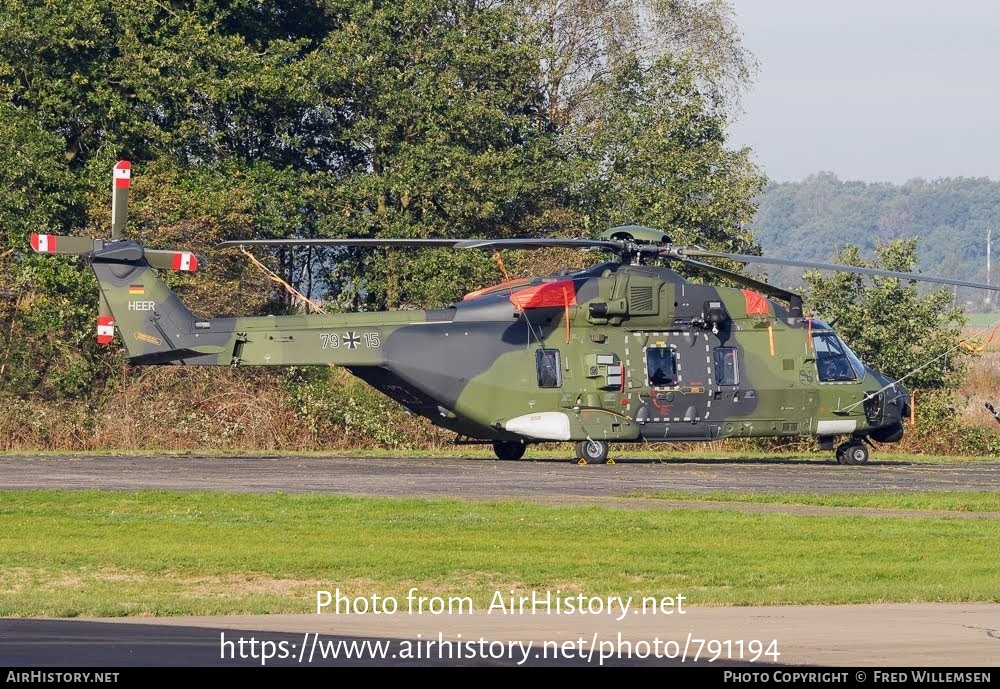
853	453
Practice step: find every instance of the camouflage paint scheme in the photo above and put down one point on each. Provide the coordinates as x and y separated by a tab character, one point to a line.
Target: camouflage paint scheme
620	352
473	368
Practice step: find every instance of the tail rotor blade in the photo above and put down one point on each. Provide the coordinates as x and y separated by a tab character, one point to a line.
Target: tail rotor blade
63	244
119	197
167	259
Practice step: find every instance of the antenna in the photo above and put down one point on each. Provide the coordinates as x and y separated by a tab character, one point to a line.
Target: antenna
989	252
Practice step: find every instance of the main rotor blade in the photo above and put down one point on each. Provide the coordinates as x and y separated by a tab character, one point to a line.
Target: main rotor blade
681	252
745	281
606	244
614	246
416	243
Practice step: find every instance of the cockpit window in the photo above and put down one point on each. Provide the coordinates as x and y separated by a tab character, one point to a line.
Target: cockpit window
834	360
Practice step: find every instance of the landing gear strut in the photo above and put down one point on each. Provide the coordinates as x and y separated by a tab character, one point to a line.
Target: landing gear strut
508	450
592	452
853	453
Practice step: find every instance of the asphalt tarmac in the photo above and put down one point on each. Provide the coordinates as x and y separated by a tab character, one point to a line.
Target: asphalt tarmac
486	479
921	635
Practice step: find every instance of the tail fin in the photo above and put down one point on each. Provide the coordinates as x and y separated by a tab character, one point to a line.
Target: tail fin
148	315
155	326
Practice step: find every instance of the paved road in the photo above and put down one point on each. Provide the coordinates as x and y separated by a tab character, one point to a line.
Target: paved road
478	478
925	635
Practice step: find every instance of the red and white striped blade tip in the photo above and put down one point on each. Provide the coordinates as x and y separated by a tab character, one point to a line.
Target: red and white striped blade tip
43	243
105	330
123	173
185	261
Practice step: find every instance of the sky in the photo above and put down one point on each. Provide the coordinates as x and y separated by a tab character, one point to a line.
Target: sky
876	90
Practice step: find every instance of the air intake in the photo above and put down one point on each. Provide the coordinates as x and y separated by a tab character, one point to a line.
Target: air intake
641	301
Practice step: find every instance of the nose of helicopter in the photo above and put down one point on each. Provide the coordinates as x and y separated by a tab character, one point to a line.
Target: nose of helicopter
896	406
901	399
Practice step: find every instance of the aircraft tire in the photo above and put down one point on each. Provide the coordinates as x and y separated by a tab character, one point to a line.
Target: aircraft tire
508	450
853	453
592	452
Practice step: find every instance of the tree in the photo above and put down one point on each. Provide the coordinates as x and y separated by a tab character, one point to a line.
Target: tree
653	152
190	93
812	219
640	92
43	324
891	325
334	118
583	41
442	128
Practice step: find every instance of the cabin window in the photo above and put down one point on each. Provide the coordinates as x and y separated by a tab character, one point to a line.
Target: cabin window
661	367
726	369
547	367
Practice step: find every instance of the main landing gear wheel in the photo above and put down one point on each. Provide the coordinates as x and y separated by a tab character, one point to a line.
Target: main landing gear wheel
592	452
853	453
508	450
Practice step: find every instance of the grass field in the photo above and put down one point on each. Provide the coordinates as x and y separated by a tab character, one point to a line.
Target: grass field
90	553
982	320
936	501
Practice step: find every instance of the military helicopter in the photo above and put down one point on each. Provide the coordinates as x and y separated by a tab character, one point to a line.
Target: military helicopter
625	351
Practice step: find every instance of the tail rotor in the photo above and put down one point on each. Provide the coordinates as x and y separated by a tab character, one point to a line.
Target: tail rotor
117	251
